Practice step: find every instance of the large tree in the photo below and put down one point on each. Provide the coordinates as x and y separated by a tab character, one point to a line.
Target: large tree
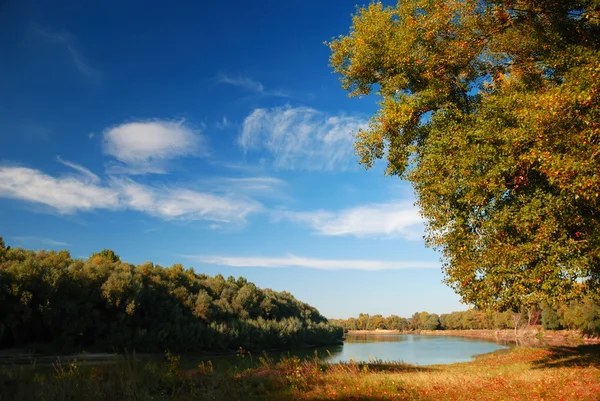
492	110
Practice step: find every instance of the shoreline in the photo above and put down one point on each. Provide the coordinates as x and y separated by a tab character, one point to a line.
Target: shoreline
23	356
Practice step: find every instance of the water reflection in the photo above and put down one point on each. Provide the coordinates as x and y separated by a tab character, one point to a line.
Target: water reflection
409	348
374	338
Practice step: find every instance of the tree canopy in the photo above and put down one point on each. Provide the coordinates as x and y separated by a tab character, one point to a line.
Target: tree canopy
492	110
51	300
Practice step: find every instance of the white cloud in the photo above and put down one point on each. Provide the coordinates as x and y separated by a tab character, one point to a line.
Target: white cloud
311	263
393	219
180	203
70	194
301	138
146	146
65	194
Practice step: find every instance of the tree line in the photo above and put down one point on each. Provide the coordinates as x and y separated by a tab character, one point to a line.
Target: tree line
581	315
50	300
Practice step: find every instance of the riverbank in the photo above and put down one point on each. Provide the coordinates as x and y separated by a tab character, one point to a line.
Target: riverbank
565	373
12	357
527	336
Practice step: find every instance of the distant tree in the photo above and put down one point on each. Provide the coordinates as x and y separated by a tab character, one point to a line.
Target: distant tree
3	249
550	318
362	322
583	315
432	322
203	306
394	322
377	322
415	321
108	255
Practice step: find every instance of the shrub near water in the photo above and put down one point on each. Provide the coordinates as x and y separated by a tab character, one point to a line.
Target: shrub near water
52	300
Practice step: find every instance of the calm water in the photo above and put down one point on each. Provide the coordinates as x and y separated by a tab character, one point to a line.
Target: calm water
409	348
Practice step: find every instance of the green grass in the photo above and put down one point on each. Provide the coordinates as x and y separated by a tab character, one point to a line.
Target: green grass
562	373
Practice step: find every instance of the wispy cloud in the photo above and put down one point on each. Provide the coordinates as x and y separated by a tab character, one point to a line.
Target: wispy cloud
65	194
146	146
184	204
393	219
224	123
83	66
248	84
84	171
76	193
260	187
34	131
301	138
242	82
42	240
311	263
68	42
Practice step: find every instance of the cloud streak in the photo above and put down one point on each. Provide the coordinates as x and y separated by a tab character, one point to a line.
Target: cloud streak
301	138
146	146
224	124
248	84
392	219
310	263
42	240
242	82
71	194
82	65
67	41
260	187
84	171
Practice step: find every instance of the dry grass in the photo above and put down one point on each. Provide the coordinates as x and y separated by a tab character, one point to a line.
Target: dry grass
520	374
560	373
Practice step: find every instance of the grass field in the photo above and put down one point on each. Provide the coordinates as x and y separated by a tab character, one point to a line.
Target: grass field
558	373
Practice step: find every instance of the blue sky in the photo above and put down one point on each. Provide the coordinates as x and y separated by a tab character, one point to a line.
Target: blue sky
212	134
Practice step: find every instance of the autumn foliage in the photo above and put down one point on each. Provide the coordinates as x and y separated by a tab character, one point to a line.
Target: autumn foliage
492	110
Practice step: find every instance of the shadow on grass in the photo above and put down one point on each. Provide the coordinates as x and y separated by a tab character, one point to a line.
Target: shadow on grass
581	356
133	379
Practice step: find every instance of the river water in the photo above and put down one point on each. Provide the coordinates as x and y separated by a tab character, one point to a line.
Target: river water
408	348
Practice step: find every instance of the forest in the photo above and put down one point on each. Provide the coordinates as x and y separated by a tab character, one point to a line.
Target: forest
50	301
581	315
